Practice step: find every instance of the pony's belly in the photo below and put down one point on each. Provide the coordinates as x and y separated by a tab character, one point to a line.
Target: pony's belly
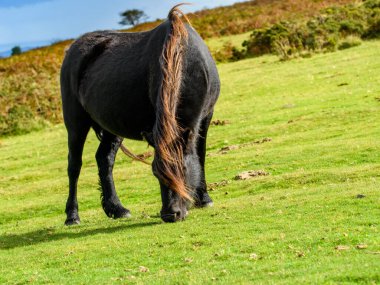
123	119
119	106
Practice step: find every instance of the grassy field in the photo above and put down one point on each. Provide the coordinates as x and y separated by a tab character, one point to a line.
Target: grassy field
235	40
29	88
313	220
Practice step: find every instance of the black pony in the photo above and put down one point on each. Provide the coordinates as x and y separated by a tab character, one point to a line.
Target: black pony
160	86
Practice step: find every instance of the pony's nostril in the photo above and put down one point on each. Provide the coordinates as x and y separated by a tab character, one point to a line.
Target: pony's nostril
178	215
173	215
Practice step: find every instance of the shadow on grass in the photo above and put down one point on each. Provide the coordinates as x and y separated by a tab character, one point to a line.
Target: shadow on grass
48	235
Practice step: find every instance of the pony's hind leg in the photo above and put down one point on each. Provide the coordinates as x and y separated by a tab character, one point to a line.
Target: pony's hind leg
78	124
105	157
202	199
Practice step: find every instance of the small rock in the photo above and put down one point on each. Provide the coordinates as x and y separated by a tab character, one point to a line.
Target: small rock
253	256
361	246
300	254
143	269
342	247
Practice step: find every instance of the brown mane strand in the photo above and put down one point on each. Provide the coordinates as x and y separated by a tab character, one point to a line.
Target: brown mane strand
169	164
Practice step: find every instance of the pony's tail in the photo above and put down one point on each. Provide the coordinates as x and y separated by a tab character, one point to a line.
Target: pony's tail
169	163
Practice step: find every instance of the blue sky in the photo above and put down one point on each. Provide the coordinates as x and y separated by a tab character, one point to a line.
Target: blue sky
40	22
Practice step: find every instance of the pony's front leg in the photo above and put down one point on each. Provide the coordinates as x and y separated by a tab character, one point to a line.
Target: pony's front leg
202	198
76	140
105	157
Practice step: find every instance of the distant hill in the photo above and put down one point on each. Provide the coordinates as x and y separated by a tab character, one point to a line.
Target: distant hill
6	50
8	53
29	83
245	16
5	53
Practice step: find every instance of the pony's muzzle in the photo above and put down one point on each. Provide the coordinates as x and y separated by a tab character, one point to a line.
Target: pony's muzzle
173	214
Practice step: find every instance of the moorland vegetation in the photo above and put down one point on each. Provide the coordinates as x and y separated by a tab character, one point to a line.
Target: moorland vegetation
29	82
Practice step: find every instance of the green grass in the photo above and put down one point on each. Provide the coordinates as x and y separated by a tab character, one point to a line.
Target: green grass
29	89
322	115
235	40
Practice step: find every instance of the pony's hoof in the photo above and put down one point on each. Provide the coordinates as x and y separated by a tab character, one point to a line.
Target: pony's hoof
207	205
123	214
115	210
119	212
72	221
205	202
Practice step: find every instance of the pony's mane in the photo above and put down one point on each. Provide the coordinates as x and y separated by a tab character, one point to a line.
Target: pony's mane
169	162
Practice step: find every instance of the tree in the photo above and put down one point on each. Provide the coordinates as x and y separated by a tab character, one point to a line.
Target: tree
16	50
132	17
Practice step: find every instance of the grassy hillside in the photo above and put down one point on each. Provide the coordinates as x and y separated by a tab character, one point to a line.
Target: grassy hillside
29	91
246	16
313	220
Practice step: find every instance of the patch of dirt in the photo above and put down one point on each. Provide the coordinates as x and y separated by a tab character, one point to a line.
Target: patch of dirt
250	174
213	186
361	246
373	252
300	254
253	256
288	106
264	140
226	149
143	269
219	122
342	247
